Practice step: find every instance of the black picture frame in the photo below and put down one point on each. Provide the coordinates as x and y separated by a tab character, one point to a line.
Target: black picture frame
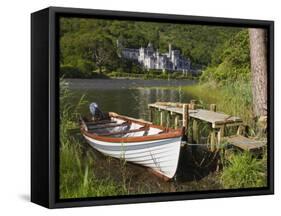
45	112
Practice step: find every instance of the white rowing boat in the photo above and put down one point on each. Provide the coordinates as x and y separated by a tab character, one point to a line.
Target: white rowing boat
135	141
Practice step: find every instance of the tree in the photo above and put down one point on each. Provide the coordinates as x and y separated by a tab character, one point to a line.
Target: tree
102	51
258	52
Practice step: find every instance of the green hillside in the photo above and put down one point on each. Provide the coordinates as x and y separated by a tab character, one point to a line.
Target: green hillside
206	46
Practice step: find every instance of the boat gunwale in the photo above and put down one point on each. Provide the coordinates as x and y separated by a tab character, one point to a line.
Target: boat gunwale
167	133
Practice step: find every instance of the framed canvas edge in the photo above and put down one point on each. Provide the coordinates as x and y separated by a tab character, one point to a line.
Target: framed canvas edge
53	81
40	153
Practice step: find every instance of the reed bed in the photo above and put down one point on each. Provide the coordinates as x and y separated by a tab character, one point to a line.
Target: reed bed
77	168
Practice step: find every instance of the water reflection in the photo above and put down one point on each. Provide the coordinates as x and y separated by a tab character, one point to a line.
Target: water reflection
130	102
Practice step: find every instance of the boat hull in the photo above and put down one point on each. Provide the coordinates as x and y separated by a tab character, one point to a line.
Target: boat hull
160	155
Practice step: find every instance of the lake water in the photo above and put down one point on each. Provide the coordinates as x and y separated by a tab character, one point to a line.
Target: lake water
128	97
131	97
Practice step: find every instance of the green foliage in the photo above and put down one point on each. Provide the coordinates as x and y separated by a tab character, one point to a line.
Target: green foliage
129	66
234	98
230	61
229	73
90	44
70	71
77	175
244	170
100	50
155	72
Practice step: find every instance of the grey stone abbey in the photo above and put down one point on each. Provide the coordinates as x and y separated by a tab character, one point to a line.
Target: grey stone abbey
152	59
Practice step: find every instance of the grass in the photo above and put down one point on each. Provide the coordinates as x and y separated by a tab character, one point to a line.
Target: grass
77	175
77	168
234	99
244	170
240	170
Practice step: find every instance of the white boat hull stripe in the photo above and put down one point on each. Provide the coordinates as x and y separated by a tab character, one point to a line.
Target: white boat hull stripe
124	147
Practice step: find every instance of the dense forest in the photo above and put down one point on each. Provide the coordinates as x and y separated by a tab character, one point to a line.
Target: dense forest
88	47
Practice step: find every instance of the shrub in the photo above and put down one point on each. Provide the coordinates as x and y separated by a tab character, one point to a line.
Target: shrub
244	170
86	67
69	71
155	72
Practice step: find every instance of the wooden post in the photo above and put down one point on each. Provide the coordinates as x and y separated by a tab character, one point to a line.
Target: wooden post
192	104
220	136
156	117
195	131
151	114
240	130
172	120
213	107
185	117
161	118
167	119
176	121
213	140
193	101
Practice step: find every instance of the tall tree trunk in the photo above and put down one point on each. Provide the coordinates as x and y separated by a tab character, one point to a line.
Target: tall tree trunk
258	50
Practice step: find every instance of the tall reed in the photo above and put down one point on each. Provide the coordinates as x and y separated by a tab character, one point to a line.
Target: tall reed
234	99
77	170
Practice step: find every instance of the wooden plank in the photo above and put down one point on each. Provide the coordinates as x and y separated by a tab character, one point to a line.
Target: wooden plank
174	104
230	124
217	119
100	122
245	143
126	118
201	114
90	127
214	117
168	108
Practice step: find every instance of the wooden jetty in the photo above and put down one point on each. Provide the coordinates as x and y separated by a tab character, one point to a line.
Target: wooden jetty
182	113
245	143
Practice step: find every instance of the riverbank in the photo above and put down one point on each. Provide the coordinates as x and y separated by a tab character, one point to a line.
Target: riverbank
152	75
70	72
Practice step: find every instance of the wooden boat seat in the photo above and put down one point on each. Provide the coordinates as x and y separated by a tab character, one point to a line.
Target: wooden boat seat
125	132
100	122
103	126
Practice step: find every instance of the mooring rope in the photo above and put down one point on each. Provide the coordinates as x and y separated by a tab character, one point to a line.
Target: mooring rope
195	144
